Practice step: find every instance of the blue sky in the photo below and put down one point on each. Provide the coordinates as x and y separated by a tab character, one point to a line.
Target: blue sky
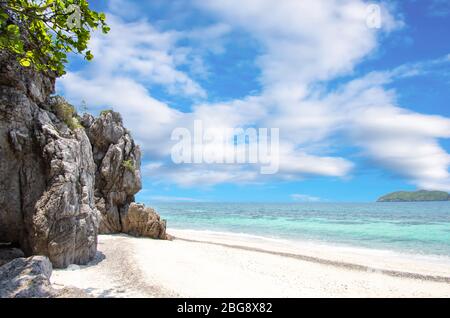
361	111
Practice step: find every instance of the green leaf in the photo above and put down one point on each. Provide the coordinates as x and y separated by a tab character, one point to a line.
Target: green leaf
12	28
89	56
25	62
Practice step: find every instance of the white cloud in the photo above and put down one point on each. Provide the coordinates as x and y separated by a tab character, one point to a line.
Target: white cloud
200	175
119	7
304	40
304	44
210	38
138	50
305	198
402	141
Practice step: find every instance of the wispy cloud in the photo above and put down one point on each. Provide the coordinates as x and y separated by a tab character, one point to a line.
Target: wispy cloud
305	198
439	8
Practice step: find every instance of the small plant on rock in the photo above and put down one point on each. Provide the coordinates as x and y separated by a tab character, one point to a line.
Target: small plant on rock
128	164
74	123
66	113
105	112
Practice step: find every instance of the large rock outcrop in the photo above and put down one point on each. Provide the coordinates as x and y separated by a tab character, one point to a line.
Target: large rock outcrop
118	161
47	171
64	179
118	179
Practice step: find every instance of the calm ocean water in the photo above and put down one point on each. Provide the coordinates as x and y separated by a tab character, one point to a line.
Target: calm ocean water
419	228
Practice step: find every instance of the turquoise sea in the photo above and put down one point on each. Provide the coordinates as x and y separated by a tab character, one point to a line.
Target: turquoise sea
418	228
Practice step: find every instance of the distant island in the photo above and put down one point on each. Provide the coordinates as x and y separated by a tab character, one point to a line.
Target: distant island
415	196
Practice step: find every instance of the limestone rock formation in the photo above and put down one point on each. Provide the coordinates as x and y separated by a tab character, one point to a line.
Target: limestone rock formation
118	179
47	171
26	278
142	221
118	161
64	179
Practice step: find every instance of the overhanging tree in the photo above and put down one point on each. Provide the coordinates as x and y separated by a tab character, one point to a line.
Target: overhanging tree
40	33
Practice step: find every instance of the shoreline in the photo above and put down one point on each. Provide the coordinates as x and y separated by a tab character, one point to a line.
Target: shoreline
291	249
219	265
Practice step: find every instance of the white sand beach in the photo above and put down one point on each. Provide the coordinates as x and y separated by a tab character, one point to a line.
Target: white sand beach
211	264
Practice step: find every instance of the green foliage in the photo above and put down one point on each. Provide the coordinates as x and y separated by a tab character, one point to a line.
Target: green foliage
128	164
422	195
64	110
41	33
74	123
67	114
105	112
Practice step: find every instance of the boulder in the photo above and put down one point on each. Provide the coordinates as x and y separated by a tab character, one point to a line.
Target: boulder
26	278
142	221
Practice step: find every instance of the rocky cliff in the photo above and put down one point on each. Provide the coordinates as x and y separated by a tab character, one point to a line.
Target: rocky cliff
63	178
47	172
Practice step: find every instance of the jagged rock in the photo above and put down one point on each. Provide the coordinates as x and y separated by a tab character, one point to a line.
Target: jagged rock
118	161
47	172
118	179
9	254
142	221
26	278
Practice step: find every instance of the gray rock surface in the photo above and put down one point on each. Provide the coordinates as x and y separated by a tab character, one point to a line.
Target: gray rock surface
27	278
118	161
7	254
47	172
34	85
142	221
